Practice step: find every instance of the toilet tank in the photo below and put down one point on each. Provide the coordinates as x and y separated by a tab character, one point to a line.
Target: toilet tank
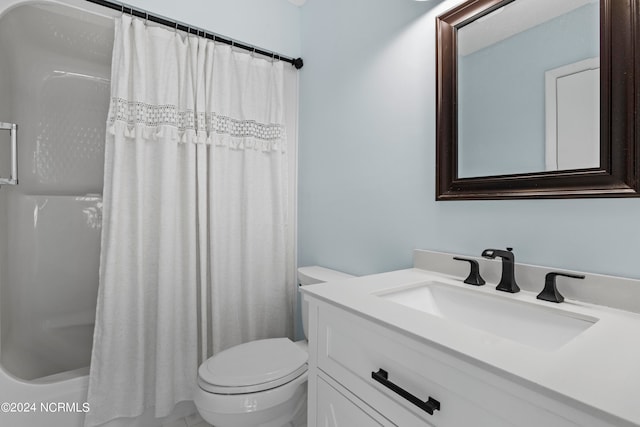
312	275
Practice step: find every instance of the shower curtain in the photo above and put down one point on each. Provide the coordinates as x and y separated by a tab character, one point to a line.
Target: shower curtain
195	256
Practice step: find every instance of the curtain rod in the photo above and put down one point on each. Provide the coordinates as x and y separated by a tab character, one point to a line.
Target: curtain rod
297	62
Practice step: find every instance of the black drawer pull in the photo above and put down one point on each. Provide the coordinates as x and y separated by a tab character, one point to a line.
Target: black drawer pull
429	406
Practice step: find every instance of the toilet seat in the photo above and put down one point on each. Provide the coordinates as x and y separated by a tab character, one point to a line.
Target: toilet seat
252	367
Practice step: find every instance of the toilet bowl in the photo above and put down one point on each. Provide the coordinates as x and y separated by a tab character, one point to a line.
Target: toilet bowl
261	383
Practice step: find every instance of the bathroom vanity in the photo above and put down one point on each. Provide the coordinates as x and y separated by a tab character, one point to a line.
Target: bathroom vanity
419	347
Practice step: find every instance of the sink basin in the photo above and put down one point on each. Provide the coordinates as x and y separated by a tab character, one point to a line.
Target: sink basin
541	327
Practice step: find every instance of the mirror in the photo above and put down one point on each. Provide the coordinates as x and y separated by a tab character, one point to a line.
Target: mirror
536	98
503	59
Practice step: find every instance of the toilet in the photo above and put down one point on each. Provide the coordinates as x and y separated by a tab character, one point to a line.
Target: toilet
261	383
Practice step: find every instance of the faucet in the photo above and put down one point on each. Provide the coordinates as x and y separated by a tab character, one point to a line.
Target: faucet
508	279
550	291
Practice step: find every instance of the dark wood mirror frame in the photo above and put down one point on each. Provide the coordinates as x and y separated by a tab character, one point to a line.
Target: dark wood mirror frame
619	171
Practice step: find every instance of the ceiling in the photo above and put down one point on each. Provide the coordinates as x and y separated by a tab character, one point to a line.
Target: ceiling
512	19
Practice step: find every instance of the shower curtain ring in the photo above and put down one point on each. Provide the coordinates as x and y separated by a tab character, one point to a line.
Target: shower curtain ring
146	18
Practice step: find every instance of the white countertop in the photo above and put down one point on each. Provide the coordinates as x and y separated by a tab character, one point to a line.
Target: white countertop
599	368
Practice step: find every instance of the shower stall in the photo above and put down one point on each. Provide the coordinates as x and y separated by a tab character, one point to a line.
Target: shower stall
55	66
54	85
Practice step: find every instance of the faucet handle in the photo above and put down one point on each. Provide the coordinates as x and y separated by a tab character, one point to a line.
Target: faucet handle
550	291
474	277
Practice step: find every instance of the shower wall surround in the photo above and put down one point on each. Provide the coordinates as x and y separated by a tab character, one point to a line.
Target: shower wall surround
367	159
58	94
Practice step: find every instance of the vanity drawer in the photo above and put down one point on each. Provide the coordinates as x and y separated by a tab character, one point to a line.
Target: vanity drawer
337	410
351	349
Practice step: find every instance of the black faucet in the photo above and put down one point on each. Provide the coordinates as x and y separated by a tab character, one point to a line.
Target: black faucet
550	291
508	279
474	277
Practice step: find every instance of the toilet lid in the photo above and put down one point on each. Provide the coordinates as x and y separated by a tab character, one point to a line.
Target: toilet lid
253	366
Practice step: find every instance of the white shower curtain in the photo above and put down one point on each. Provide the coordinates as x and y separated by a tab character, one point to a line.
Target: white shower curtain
195	249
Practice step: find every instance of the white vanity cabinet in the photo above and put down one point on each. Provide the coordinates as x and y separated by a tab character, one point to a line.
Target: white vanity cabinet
345	349
336	409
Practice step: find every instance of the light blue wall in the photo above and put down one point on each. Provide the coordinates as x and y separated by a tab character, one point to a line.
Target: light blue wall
271	24
365	162
501	93
367	155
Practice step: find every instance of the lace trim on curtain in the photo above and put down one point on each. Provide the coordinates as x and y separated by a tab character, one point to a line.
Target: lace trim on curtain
195	127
